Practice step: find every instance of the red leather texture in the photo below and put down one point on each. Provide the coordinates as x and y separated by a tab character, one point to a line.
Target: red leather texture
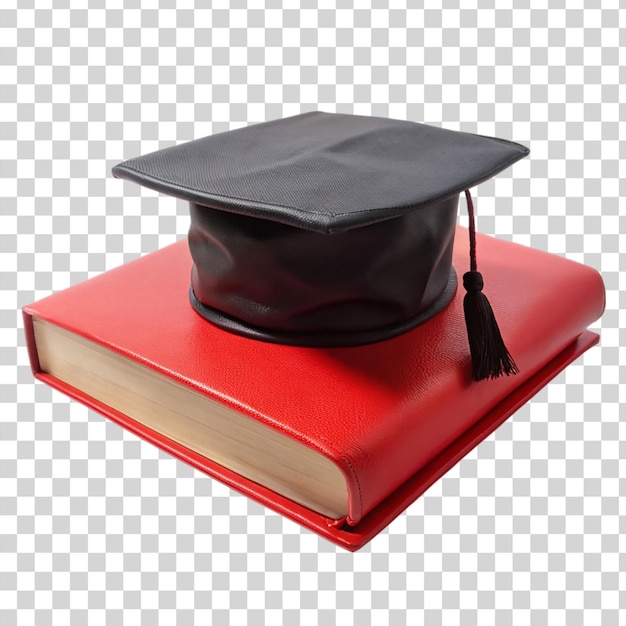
394	416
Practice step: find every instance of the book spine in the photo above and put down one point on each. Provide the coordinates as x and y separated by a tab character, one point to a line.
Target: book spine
29	334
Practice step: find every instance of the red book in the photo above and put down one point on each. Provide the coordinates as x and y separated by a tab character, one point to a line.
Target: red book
382	421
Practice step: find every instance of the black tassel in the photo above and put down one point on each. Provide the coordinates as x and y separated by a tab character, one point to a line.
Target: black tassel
490	357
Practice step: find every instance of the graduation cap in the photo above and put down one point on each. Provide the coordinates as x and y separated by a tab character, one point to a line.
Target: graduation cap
330	229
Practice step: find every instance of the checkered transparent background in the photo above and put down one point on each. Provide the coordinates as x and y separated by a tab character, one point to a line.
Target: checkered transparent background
97	527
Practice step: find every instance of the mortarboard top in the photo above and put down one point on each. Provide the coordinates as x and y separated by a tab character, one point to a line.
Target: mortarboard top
329	229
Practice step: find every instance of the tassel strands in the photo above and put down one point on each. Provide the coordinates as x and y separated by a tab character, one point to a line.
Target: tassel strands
490	357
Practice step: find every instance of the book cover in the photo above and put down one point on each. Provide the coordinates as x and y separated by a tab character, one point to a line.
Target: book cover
393	416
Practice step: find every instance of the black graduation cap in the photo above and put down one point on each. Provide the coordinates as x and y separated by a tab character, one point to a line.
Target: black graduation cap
330	229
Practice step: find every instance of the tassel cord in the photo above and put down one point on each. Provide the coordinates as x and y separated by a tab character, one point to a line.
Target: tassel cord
472	231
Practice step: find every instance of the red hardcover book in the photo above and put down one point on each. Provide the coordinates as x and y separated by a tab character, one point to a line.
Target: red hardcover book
388	418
